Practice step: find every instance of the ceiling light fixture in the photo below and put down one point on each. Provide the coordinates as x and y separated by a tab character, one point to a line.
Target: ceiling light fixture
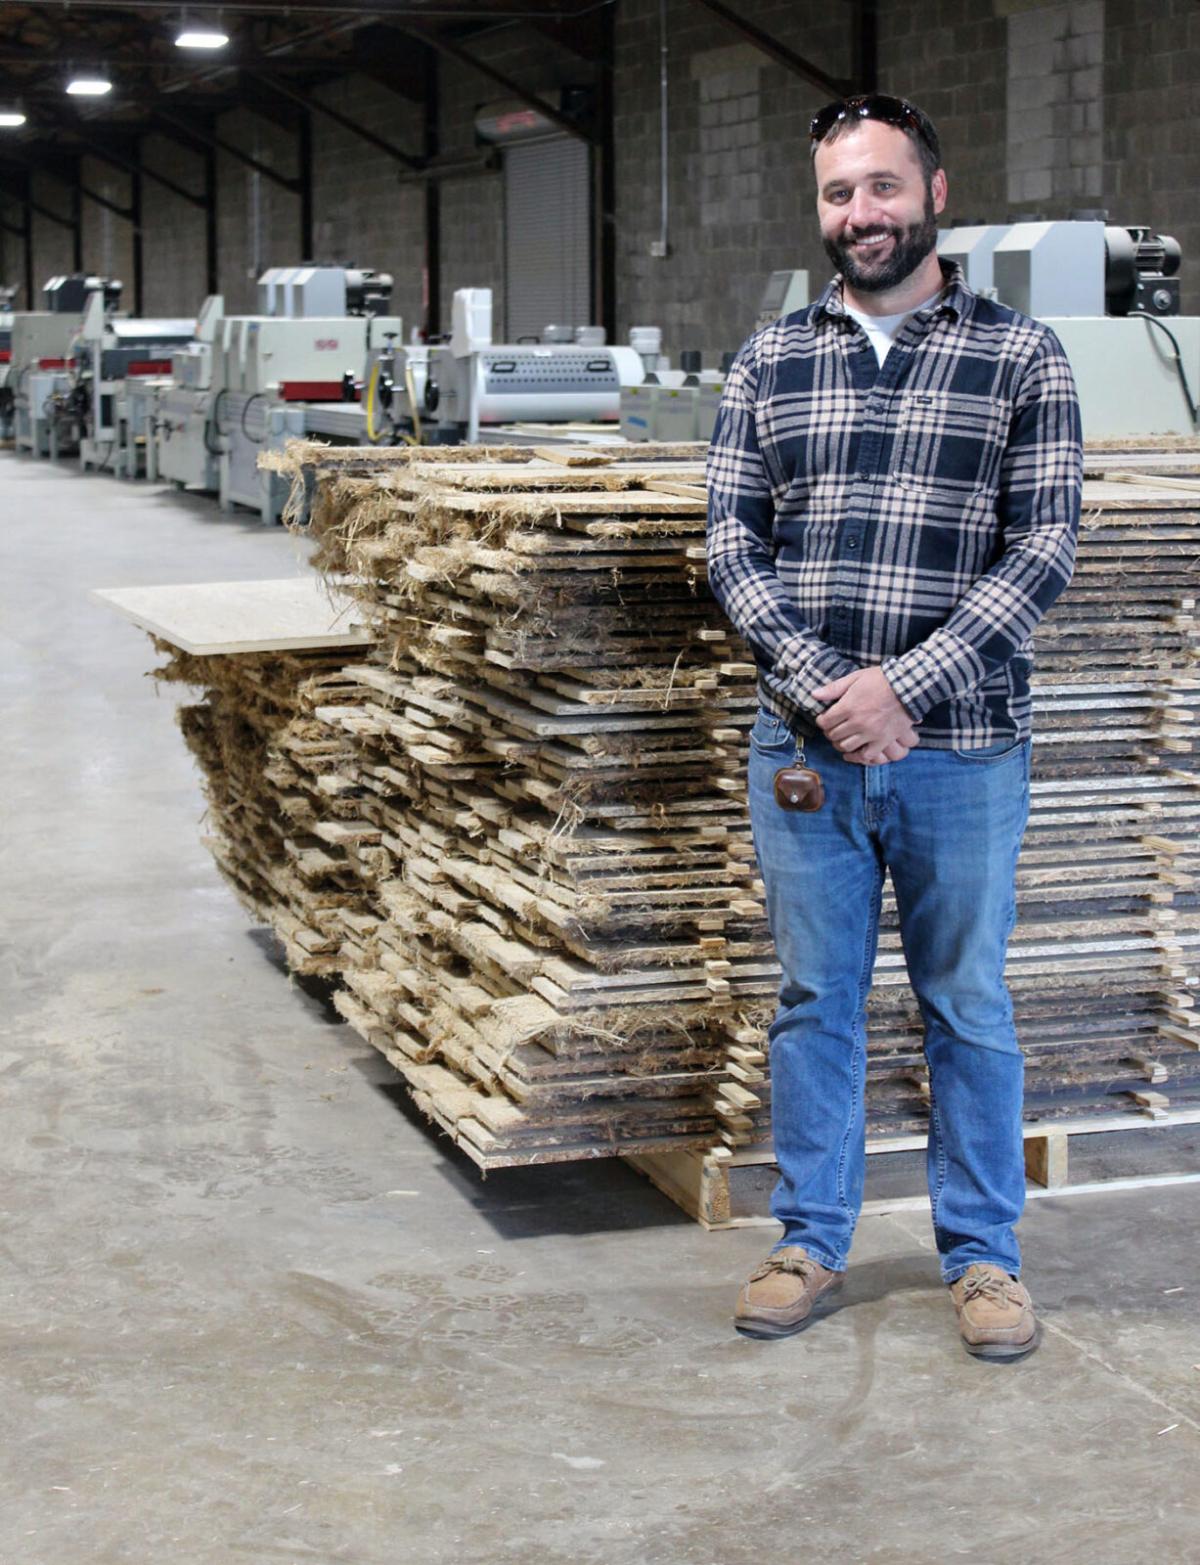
89	86
201	38
11	118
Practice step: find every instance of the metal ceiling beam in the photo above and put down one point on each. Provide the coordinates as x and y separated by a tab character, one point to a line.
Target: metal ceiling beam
126	212
29	160
205	139
106	153
780	53
581	35
35	206
233	61
281	9
531	99
268	102
432	279
388	57
865	45
306	35
344	120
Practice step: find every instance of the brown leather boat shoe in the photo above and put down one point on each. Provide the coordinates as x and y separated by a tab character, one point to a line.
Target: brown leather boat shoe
782	1295
995	1313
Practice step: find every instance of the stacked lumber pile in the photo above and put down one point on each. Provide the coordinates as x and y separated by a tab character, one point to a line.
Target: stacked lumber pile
516	831
277	820
1105	958
566	928
550	742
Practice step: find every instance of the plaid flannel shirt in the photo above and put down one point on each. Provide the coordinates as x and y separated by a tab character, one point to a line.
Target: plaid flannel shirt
920	515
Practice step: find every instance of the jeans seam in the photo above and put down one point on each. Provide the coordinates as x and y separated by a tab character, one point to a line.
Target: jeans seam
864	984
940	1177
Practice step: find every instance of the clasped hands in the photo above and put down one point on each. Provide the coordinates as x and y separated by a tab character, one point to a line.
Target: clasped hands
866	721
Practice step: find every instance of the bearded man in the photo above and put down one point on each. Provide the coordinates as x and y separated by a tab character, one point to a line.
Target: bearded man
894	486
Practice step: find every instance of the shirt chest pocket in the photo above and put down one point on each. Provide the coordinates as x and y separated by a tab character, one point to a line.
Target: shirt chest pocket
949	440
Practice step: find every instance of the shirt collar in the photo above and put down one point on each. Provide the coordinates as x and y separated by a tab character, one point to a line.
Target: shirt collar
956	302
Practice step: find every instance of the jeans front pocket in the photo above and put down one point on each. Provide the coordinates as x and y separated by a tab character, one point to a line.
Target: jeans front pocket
772	737
1002	750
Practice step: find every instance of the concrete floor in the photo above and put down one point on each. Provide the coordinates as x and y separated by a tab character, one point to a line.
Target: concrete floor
254	1310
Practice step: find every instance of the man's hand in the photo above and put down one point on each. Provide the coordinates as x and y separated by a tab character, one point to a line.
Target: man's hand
866	721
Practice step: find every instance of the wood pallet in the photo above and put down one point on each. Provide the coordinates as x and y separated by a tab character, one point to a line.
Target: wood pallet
709	1186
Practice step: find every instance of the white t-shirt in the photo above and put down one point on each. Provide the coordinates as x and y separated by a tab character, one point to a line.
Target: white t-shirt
881	329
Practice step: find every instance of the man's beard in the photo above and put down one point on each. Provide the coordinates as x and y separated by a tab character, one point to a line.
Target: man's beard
910	247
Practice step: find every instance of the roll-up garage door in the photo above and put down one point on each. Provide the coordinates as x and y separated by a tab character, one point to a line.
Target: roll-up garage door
547	228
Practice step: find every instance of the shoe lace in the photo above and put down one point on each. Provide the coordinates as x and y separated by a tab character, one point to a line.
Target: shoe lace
796	1265
988	1285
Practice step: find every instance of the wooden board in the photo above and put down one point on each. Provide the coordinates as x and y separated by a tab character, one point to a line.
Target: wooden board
209	619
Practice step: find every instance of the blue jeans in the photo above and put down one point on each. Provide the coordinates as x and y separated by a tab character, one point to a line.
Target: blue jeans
947	824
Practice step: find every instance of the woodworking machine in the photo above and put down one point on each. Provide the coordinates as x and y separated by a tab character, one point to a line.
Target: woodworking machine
186	448
40	369
448	392
110	353
681	404
1111	296
279	370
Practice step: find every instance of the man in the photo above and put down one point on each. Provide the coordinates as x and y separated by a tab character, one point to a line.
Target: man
894	488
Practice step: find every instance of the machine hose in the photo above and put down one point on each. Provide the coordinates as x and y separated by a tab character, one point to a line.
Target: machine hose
1153	320
373	435
371	400
257	397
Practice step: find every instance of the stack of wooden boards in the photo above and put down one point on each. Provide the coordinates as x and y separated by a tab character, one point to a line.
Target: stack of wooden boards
517	831
541	742
264	654
1105	957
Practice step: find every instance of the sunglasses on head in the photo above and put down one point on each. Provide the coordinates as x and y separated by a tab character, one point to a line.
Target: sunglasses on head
868	106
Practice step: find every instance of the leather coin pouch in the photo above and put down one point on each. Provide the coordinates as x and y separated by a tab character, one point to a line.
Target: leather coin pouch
798	787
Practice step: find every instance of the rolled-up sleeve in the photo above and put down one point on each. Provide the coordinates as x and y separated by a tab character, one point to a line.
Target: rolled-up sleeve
741	558
1041	485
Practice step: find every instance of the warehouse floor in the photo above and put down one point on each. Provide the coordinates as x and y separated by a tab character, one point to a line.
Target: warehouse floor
254	1310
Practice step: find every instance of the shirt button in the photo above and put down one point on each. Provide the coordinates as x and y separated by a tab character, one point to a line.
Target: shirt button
852	543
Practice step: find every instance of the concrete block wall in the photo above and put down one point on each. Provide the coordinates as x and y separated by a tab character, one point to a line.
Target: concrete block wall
952	61
258	221
107	237
174	253
363	215
739	184
1055	102
53	245
1042	108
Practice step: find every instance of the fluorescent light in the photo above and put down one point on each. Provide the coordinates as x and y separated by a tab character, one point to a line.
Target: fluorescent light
201	38
88	86
10	118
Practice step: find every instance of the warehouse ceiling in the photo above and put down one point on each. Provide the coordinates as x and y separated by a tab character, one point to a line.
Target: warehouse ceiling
276	53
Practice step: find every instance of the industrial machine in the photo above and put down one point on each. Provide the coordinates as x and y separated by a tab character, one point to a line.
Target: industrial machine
111	352
303	353
40	371
1108	293
785	292
681	404
444	393
7	295
186	448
